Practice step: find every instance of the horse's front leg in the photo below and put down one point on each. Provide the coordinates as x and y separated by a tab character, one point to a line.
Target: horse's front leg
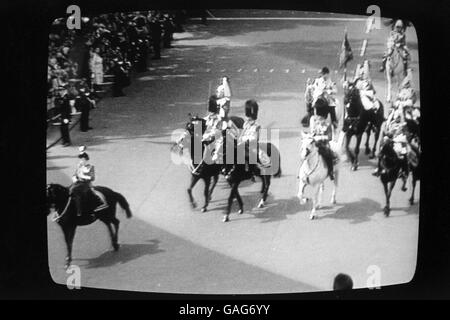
215	179
368	131
335	185
266	181
206	194
226	217
315	201
375	142
355	163
301	189
194	180
348	137
69	234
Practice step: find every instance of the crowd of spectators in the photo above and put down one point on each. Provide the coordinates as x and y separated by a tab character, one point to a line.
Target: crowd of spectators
104	51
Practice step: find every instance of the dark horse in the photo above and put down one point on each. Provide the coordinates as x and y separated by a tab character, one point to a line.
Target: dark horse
238	172
357	120
209	170
66	214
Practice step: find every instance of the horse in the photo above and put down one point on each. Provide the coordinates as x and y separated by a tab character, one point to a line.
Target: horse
395	70
237	172
313	171
375	120
391	166
209	170
355	121
58	197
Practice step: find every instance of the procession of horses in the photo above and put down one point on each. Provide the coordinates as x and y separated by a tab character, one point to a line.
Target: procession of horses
233	149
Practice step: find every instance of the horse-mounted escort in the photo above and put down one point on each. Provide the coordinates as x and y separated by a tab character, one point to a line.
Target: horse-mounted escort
214	148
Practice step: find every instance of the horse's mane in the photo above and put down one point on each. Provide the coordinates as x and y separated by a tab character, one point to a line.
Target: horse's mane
353	99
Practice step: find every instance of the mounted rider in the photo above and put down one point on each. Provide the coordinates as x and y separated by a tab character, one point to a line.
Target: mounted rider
212	135
406	100
366	89
325	88
397	39
82	189
249	137
322	135
396	133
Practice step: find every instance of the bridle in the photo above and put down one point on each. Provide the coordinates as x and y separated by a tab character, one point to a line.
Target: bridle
56	216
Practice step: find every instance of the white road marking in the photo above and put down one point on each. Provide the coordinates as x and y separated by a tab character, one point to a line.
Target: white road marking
287	71
256	70
208	70
284	18
239	70
271	70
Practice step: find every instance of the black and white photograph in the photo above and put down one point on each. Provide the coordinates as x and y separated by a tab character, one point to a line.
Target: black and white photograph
230	152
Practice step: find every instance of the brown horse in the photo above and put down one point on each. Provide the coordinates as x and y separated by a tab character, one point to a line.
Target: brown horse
66	214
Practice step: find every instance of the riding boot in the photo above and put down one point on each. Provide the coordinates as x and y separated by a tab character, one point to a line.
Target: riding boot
78	205
378	170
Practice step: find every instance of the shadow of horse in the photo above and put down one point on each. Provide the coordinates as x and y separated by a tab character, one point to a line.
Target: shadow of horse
274	210
358	211
126	253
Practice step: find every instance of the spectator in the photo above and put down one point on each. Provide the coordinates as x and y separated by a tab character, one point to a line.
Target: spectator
83	104
96	64
342	282
64	107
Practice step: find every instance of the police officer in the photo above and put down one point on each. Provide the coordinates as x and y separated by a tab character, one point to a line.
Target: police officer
120	78
83	104
63	103
155	31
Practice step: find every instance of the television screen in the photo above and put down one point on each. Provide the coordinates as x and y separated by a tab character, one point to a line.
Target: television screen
232	151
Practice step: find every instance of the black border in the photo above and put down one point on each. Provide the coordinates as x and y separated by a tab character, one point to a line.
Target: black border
24	273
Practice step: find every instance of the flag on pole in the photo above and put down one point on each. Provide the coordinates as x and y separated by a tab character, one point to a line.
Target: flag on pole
346	53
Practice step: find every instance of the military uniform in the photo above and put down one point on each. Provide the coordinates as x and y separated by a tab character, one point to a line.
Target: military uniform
325	88
65	110
322	134
397	38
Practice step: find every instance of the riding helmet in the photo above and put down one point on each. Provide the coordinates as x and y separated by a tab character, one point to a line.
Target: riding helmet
251	109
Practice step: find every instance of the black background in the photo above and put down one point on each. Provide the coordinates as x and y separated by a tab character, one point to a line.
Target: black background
24	270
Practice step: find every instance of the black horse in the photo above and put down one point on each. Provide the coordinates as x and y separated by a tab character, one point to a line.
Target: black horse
358	120
66	214
209	171
236	173
390	170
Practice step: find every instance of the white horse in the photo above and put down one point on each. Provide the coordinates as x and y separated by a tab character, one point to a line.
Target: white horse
313	172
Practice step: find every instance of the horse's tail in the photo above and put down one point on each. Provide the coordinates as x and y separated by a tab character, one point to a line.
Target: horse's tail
124	204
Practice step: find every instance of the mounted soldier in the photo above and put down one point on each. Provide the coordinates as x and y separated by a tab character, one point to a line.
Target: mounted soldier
82	189
366	89
324	99
323	134
397	39
212	136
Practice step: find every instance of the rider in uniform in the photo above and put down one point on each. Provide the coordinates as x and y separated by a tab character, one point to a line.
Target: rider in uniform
210	136
82	188
366	89
406	99
323	86
250	135
322	133
397	38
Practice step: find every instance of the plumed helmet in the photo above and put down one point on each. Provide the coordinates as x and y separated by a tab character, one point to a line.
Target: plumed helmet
212	104
251	109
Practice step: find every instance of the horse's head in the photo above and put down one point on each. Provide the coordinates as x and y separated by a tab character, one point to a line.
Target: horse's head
308	145
56	196
352	97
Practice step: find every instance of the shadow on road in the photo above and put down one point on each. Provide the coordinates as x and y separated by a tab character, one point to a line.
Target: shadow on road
126	253
358	212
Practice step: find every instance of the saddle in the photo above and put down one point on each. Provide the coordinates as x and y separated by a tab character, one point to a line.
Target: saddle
92	200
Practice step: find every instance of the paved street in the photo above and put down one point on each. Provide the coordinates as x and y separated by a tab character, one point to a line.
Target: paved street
169	247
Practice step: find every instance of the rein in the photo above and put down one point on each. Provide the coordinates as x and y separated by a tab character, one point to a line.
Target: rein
57	216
